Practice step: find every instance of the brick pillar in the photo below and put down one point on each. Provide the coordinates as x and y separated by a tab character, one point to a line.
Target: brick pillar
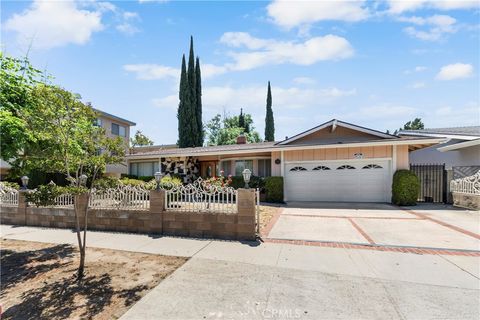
157	207
22	208
246	214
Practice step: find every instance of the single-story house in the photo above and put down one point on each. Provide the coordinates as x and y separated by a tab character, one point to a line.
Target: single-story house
335	161
460	151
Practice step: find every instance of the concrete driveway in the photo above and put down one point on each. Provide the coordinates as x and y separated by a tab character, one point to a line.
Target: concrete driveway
422	226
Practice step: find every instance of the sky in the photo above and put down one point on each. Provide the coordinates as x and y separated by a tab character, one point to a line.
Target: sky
377	64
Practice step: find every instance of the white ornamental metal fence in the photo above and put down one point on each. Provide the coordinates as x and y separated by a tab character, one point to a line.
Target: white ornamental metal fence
8	195
65	200
469	184
201	196
122	197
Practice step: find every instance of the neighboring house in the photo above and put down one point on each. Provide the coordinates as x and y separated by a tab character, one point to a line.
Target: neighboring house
460	151
335	161
115	127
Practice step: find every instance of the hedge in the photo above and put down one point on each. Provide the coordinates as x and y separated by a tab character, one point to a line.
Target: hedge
274	189
405	188
255	182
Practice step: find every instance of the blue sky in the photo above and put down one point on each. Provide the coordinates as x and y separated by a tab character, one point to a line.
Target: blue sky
373	63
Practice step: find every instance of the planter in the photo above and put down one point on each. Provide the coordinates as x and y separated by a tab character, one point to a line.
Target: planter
466	200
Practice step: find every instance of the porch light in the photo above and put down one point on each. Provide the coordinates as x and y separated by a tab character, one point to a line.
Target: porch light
83	180
246	177
25	182
158	178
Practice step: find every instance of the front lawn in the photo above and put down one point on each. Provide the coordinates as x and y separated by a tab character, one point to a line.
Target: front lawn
38	280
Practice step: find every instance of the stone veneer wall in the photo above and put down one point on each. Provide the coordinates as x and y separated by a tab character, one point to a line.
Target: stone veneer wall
466	200
240	226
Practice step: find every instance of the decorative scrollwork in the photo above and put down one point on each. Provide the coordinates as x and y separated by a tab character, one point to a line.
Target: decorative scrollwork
8	195
121	197
201	196
469	184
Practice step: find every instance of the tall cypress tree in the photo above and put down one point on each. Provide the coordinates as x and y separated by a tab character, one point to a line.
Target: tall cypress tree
192	101
269	123
198	95
241	120
182	107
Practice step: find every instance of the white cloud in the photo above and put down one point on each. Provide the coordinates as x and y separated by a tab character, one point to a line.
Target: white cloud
127	25
386	111
54	23
291	14
397	7
152	71
417	85
455	71
216	98
269	51
434	27
416	69
210	70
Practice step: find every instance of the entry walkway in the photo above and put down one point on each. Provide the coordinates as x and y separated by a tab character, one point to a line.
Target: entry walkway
256	280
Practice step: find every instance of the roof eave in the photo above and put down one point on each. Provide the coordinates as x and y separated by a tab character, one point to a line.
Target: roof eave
420	143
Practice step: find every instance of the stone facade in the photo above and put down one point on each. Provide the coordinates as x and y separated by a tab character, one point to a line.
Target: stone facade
188	168
240	226
466	200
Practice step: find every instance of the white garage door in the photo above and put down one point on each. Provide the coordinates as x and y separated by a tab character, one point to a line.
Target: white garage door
346	181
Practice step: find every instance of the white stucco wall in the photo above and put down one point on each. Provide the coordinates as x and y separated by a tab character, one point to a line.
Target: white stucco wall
464	157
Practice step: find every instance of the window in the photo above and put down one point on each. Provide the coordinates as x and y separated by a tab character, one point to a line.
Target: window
119	130
143	169
98	122
226	167
321	168
241	165
264	167
298	169
345	166
372	166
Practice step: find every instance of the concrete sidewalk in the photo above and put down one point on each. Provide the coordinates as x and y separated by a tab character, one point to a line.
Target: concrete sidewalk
269	281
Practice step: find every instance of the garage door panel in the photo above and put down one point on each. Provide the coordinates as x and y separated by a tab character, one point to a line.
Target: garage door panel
367	185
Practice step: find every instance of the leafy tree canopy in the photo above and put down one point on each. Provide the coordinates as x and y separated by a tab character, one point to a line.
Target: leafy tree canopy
139	139
415	124
225	131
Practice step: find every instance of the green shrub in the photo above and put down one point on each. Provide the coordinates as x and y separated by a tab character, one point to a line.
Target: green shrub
274	189
132	182
405	188
255	182
106	183
169	182
45	195
12	185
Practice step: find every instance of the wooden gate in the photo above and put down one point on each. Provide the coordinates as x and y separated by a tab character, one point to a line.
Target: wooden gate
432	182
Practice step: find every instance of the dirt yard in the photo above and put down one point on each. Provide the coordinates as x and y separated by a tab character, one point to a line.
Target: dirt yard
38	280
267	212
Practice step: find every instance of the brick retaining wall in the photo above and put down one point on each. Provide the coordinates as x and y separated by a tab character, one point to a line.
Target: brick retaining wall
240	226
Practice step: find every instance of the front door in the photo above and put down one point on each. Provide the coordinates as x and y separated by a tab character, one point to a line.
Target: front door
208	169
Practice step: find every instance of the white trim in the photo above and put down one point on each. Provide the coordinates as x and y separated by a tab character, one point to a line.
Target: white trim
339	160
282	173
394	158
334	123
439	135
292	148
245	158
460	145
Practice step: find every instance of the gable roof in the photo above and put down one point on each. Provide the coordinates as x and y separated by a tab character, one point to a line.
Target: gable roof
463	133
334	123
